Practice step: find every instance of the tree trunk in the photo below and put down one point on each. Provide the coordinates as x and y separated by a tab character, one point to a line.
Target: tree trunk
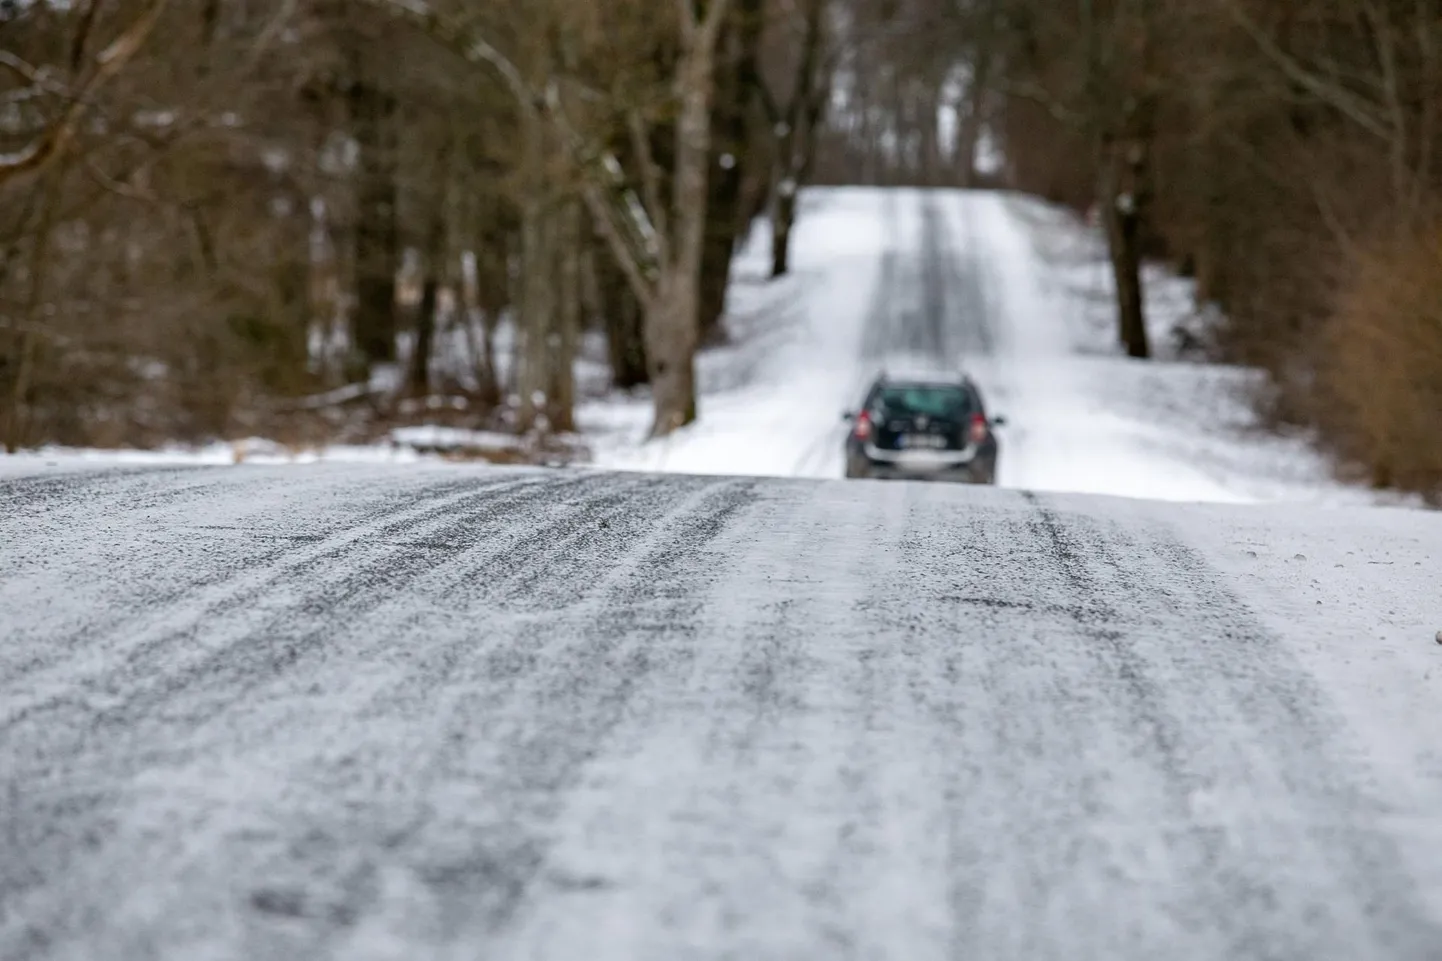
783	217
488	389
550	306
209	25
621	312
488	296
969	133
28	341
490	302
796	140
869	147
723	216
592	294
1121	203
418	379
377	238
565	330
670	350
928	103
437	202
735	96
538	305
671	316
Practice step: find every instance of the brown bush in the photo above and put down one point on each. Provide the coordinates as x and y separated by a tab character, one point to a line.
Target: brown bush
1383	368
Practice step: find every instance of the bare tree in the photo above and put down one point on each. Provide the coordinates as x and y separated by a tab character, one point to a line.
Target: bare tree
735	156
84	86
658	249
1096	68
795	123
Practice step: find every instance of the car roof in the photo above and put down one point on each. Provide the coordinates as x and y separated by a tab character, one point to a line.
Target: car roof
885	379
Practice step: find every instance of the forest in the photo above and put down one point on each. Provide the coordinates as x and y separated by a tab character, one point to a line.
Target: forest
314	219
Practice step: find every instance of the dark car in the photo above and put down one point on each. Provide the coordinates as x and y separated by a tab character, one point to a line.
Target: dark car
922	429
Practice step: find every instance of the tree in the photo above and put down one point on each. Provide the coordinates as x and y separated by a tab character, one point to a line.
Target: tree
77	96
794	124
739	89
1096	68
657	243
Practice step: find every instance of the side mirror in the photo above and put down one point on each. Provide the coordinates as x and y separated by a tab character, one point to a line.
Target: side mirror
998	421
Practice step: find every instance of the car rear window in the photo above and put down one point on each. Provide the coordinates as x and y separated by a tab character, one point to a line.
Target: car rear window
941	401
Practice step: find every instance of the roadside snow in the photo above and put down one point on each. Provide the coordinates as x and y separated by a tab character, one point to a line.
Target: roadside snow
434	437
1088	419
1354	593
1081	417
1084	418
771	402
403	445
256	450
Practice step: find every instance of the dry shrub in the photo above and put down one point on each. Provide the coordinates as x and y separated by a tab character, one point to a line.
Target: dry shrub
1383	370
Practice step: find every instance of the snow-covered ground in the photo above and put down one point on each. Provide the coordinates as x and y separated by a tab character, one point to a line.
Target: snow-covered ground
458	712
257	450
1081	417
1023	292
771	402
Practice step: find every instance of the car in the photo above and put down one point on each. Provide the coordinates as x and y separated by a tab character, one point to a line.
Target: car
923	428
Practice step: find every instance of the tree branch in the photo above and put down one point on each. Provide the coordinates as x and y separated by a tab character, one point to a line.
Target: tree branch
769	106
82	34
636	275
1343	101
462	40
110	61
121	188
37	79
20	68
686	17
600	168
1039	95
711	27
650	178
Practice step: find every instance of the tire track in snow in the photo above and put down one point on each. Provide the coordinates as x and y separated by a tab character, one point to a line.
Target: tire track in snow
874	336
878	333
252	639
961	282
643	529
928	330
30	498
1229	723
229	576
468	865
953	321
204	656
687	719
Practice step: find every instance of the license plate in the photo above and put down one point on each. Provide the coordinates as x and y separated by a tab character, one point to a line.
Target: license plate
921	442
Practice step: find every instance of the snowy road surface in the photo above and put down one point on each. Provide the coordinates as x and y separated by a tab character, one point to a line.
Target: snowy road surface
359	712
1002	286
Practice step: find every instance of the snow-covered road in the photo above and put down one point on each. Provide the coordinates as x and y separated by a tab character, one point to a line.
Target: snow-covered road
1002	286
433	712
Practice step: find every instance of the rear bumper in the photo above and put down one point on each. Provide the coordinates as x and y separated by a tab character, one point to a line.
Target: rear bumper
978	470
971	474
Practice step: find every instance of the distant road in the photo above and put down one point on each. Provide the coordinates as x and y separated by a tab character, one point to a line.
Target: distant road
377	713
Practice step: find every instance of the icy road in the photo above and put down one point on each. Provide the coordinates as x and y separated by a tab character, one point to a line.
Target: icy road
439	713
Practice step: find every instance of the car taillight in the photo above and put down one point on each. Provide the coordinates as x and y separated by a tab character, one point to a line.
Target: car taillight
978	429
863	426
